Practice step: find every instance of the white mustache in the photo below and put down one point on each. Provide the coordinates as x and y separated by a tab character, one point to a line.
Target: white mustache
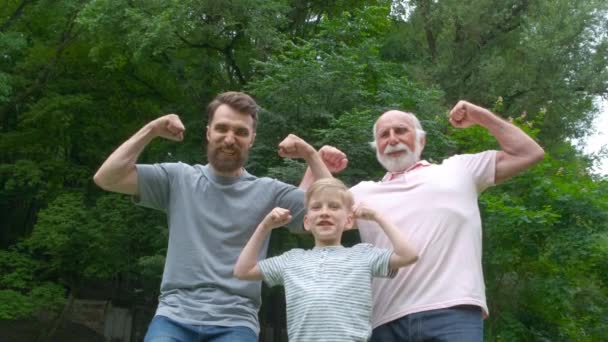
397	148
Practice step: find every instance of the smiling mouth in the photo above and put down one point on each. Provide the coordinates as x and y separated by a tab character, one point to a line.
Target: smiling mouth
229	152
325	224
396	153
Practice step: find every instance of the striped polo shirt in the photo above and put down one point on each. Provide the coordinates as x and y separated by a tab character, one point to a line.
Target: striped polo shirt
328	290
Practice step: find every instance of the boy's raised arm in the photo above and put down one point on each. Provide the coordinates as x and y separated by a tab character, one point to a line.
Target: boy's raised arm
403	253
246	267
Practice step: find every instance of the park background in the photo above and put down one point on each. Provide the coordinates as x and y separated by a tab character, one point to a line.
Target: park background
77	78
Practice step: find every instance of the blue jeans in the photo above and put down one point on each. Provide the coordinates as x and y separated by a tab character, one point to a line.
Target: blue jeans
462	323
163	329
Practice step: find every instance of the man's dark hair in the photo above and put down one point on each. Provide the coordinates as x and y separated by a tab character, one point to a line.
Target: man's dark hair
238	101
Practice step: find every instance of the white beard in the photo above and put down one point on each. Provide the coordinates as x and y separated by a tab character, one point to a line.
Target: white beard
401	163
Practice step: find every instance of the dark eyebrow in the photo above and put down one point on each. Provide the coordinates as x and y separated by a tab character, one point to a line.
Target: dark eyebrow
243	130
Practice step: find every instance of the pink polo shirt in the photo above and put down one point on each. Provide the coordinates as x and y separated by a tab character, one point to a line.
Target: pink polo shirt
436	207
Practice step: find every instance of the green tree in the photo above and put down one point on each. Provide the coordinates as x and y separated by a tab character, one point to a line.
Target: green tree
78	78
536	55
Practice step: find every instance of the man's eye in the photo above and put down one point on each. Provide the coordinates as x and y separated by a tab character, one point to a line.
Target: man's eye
242	132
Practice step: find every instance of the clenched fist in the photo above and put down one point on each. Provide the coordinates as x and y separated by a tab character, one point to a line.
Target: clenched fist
295	147
465	114
363	212
168	127
334	159
276	218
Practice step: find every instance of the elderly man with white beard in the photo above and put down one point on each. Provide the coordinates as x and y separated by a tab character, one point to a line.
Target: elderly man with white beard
442	296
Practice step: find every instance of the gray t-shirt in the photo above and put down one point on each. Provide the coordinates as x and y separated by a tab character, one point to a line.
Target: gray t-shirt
328	290
210	220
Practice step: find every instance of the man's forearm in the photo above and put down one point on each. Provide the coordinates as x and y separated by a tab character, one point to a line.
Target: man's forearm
334	160
307	179
317	167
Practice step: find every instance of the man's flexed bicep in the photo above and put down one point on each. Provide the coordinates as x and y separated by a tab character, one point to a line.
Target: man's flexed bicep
519	151
118	173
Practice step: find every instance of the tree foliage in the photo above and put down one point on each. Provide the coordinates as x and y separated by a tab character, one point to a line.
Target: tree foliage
536	55
78	77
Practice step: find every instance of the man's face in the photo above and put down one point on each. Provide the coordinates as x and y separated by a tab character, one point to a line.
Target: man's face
396	145
327	217
230	135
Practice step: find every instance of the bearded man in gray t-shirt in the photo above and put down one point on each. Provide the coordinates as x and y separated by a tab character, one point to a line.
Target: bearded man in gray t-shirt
212	210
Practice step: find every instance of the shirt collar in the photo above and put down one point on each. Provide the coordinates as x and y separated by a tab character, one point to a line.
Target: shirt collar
392	175
335	247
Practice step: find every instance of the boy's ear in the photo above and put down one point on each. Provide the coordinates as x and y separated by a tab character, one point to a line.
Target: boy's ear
350	221
306	227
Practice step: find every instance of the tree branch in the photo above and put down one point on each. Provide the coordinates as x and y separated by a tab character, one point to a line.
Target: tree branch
66	37
227	51
425	7
18	12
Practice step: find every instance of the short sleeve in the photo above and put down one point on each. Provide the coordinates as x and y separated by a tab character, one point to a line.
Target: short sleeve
273	269
154	184
292	198
378	260
481	166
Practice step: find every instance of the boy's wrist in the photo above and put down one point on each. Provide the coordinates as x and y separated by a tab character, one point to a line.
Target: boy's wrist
380	221
372	215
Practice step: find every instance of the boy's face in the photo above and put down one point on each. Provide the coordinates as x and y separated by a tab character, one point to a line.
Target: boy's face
327	217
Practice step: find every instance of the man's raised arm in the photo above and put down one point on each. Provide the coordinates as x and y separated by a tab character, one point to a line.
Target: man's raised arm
118	172
295	147
519	151
335	161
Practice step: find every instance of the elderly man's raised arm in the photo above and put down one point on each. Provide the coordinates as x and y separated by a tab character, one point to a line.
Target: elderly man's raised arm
519	151
118	172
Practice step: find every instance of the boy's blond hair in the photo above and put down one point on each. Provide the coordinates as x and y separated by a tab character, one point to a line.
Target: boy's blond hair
330	185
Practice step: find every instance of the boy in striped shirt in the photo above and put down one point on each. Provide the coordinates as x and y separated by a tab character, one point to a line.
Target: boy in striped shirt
327	288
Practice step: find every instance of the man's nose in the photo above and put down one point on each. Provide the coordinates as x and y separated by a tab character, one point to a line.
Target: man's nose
392	138
229	138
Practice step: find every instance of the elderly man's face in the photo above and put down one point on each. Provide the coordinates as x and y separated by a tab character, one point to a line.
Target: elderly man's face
396	145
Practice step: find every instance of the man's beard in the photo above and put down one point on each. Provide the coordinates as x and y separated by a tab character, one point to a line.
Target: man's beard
401	163
223	162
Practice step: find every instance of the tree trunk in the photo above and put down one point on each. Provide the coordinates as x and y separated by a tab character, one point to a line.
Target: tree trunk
58	322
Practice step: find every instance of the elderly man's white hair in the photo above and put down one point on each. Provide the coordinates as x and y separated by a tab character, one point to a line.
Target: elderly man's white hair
419	131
